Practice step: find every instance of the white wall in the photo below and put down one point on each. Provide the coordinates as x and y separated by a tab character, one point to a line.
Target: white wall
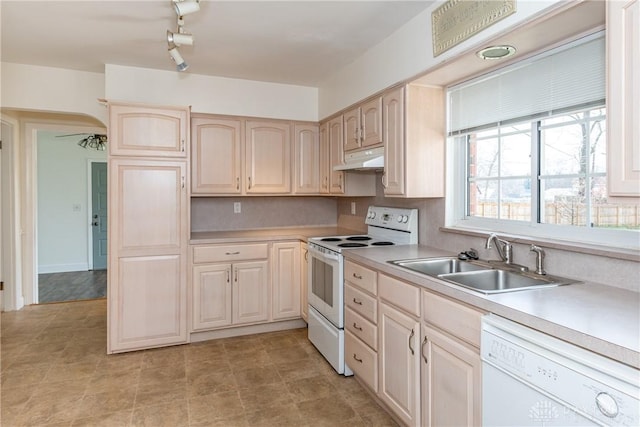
63	232
208	94
405	54
31	87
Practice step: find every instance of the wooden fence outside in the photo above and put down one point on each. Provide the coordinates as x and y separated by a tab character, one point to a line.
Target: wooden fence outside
567	213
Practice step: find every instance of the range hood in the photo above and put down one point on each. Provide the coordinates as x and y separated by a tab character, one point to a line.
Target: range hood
370	159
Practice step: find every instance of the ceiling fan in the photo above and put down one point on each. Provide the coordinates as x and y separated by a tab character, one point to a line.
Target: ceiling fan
92	140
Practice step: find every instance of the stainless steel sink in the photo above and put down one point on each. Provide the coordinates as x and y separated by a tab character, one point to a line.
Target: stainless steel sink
479	276
436	266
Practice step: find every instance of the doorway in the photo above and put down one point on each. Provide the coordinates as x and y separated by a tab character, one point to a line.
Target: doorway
71	218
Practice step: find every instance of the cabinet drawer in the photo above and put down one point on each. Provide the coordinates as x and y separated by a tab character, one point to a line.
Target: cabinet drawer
400	294
362	360
361	303
459	320
361	277
223	253
361	328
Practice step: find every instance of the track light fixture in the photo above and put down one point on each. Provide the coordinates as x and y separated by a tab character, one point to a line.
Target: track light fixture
181	64
180	37
186	7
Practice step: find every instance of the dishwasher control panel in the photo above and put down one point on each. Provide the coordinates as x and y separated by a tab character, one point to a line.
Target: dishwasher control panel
597	387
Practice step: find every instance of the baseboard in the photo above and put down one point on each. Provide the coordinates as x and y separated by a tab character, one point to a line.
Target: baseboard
62	268
247	330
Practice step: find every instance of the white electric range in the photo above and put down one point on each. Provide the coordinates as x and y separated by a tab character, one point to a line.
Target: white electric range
385	227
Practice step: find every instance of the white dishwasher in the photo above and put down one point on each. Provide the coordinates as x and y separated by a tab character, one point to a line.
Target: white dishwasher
532	379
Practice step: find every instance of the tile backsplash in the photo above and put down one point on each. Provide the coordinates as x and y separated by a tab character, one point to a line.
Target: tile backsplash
217	213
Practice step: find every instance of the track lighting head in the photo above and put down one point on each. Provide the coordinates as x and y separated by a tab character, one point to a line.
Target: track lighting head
186	7
181	65
179	38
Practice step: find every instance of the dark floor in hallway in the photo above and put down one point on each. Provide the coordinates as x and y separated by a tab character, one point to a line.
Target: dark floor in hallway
72	286
55	372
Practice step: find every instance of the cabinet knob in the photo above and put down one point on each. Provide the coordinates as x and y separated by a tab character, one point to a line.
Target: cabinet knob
357	302
355	325
356	358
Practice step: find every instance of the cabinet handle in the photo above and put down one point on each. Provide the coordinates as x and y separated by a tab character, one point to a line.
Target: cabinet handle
384	184
183	181
235	276
249	183
237	183
306	255
357	276
411	339
341	178
182	145
355	325
356	358
232	253
357	302
228	276
361	134
424	356
355	134
326	182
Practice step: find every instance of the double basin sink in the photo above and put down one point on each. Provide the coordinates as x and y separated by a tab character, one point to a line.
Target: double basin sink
481	276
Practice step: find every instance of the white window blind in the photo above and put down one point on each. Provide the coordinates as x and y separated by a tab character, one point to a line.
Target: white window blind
564	78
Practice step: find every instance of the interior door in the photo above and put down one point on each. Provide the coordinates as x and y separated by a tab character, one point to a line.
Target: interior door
99	214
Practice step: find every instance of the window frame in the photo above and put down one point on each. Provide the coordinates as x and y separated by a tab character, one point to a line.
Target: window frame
457	212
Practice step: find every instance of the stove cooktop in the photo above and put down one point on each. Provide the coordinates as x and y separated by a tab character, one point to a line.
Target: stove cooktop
349	242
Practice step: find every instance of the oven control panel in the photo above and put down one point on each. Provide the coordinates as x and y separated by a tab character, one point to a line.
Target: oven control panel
399	219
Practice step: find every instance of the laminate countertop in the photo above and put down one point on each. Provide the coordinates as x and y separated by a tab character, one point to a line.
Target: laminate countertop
600	318
268	234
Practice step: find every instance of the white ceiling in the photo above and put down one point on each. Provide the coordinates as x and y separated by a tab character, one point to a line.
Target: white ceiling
295	42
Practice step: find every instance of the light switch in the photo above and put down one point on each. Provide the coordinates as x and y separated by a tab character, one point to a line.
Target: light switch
237	207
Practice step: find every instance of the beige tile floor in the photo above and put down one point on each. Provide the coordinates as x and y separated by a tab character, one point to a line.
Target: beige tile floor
55	372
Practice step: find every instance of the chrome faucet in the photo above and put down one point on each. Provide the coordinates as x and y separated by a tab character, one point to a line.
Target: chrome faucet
539	259
504	248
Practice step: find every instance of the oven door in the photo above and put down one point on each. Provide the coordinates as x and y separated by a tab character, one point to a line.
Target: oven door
325	292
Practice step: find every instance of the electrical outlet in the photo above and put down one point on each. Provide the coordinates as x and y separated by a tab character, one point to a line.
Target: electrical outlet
353	208
237	207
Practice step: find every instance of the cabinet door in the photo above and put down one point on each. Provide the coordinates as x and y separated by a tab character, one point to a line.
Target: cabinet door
352	131
307	159
451	375
147	259
215	156
336	156
250	292
399	352
285	283
304	281
147	131
393	138
147	302
211	296
623	97
325	161
268	157
371	123
147	207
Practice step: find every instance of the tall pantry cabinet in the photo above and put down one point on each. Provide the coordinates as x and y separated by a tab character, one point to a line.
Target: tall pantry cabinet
147	226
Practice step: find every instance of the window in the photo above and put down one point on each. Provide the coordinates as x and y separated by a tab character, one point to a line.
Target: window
528	144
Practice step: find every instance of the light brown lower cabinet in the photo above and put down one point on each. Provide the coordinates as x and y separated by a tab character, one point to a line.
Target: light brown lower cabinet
451	387
399	363
285	283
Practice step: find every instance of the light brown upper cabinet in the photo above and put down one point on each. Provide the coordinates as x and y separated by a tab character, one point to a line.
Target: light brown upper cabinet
623	93
216	155
363	125
307	159
325	159
336	155
414	141
267	157
148	131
